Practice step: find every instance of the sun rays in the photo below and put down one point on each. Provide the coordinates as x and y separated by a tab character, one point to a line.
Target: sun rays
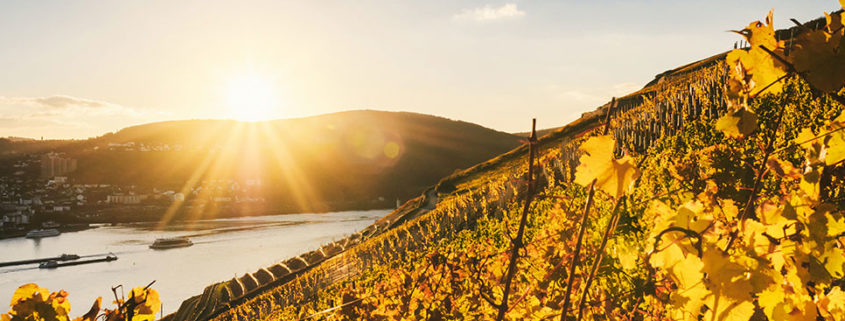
240	157
304	166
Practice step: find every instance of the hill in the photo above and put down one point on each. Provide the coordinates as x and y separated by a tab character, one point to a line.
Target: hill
355	159
539	132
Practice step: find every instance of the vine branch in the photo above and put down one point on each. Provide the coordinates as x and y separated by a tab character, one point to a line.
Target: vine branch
583	227
517	241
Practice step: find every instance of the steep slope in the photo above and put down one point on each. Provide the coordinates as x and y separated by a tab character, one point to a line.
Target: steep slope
448	262
488	191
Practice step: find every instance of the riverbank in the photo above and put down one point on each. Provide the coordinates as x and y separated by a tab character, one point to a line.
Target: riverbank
61	228
83	218
187	212
222	248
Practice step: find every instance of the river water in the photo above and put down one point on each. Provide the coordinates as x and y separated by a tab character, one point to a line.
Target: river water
223	248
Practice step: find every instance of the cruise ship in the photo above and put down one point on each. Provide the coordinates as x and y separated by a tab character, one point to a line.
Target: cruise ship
37	234
169	243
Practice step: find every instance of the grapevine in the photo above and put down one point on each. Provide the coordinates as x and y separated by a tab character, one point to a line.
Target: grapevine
33	303
716	193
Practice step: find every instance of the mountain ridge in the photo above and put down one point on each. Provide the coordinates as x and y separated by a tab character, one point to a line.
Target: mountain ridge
345	160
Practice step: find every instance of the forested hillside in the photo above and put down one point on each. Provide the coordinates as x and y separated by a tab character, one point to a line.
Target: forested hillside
355	159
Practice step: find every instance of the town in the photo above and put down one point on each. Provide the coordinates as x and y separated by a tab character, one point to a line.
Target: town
39	192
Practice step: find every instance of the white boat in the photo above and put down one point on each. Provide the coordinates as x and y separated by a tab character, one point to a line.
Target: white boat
169	243
36	234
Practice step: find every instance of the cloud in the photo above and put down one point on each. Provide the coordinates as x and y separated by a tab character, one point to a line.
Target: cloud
58	105
61	116
60	101
489	13
55	102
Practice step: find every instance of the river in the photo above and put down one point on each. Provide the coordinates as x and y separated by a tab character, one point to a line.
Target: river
223	248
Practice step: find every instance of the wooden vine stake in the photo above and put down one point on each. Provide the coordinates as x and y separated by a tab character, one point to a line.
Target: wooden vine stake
611	227
581	230
517	241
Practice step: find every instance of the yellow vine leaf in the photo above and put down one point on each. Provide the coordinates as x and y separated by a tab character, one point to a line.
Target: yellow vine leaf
769	299
780	302
30	302
835	140
817	55
725	277
759	34
835	224
814	150
688	274
628	254
667	257
613	176
763	69
815	153
737	124
729	309
828	146
737	82
753	235
832	305
777	225
755	70
663	215
60	303
150	303
729	209
783	168
834	262
679	260
730	297
692	216
685	271
29	291
801	309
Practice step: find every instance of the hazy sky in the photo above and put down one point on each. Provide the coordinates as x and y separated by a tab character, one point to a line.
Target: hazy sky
74	69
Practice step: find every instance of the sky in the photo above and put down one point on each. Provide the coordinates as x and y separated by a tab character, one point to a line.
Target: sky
78	69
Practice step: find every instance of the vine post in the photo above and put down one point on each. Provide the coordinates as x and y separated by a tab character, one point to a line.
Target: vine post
611	227
517	241
584	216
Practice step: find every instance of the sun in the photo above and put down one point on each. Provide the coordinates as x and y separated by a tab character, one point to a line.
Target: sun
252	98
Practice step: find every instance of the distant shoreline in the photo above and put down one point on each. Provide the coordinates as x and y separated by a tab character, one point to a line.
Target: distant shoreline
81	225
147	213
64	228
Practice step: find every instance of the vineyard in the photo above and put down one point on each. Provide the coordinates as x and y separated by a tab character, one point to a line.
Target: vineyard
715	193
706	198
